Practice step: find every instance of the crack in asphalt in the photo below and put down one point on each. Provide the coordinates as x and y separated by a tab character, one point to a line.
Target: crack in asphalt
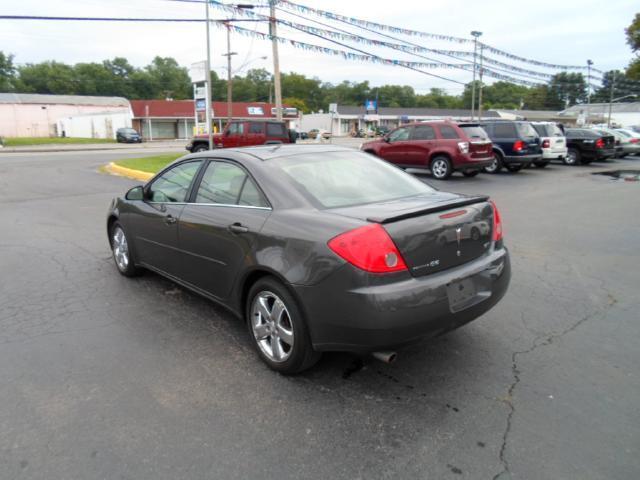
540	341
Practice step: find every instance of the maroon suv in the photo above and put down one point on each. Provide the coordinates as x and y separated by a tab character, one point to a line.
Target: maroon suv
443	147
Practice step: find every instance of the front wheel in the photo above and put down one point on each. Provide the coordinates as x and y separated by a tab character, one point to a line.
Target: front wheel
441	168
278	329
496	166
122	253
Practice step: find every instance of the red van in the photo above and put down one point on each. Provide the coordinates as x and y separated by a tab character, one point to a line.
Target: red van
440	146
244	133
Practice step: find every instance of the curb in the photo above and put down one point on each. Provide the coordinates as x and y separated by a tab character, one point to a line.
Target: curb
114	169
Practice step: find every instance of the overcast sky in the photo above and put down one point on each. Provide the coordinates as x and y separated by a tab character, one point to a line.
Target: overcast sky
558	32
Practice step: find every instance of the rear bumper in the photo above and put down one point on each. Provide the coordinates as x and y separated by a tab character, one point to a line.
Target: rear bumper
469	165
631	148
554	153
346	317
522	159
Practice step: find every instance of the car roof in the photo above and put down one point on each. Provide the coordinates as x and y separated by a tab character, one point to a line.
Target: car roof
267	152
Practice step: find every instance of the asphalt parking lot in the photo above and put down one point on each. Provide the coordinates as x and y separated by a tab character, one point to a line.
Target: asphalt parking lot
107	377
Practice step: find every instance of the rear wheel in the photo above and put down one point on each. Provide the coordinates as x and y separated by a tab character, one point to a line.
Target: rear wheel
513	167
278	329
573	157
201	147
497	164
470	173
441	168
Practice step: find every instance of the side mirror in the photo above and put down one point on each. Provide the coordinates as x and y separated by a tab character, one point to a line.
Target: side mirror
136	193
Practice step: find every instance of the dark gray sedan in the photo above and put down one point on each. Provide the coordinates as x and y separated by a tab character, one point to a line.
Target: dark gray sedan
317	248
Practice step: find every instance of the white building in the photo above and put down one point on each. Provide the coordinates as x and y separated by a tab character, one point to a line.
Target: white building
622	114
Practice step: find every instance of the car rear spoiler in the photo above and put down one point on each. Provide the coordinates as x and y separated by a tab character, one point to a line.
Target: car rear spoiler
447	205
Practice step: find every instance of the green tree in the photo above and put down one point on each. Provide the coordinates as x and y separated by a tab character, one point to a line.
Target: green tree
296	103
167	79
566	89
47	77
7	73
633	40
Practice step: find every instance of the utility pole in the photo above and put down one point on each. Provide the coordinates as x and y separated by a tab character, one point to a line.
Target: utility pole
229	75
613	81
589	63
276	59
480	86
208	82
475	34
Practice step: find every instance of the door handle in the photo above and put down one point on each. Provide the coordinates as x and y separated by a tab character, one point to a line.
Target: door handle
238	228
170	219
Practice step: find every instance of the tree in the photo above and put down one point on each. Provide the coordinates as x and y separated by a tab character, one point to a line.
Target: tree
633	40
47	77
296	103
168	79
566	89
7	73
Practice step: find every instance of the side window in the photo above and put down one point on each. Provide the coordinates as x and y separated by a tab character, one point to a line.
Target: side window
173	185
505	130
275	130
448	131
221	183
256	127
233	129
251	196
423	132
399	135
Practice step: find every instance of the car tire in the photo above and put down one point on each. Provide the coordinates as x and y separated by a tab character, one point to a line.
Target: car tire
283	343
497	164
541	164
201	147
470	173
513	168
122	252
573	157
441	168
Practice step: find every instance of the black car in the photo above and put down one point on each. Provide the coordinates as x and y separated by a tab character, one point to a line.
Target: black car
585	146
128	135
516	144
317	247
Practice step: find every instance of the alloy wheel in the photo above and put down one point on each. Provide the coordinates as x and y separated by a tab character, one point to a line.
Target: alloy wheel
271	326
439	168
571	157
494	165
120	249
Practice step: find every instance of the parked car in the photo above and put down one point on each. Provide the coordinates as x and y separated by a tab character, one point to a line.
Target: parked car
516	145
631	142
552	141
586	146
247	133
318	248
441	146
314	134
302	135
128	135
618	138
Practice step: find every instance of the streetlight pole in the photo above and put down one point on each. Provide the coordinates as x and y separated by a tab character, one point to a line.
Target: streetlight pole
475	35
589	63
480	86
613	81
229	75
276	59
208	82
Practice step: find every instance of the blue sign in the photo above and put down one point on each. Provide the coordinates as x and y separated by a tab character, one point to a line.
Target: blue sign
201	105
371	105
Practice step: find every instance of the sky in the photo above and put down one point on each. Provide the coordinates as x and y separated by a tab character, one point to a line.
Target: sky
552	31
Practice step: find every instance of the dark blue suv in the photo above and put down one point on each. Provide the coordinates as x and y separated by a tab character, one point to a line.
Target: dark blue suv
515	144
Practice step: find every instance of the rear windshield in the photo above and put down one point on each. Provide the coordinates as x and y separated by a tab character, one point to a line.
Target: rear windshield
474	132
127	130
342	179
526	130
548	130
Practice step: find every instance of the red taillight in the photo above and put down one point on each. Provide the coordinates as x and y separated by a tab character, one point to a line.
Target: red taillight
518	146
633	140
546	143
600	143
497	224
369	248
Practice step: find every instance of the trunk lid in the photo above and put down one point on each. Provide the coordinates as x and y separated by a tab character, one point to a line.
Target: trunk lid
480	150
433	233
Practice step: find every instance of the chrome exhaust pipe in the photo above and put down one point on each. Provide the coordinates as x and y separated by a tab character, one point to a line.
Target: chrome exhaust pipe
386	357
